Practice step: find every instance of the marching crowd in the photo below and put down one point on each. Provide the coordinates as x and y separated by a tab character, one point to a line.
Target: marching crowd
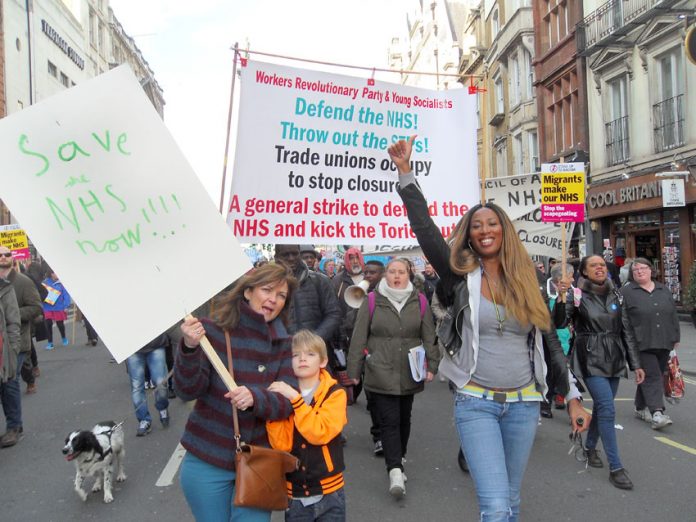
303	338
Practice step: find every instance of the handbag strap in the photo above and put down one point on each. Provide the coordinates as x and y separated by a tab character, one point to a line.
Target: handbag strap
235	416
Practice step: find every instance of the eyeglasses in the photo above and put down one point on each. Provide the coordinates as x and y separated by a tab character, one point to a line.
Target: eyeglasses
640	269
5	254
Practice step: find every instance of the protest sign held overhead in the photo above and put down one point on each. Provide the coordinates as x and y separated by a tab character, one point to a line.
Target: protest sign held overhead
563	192
14	238
311	158
111	203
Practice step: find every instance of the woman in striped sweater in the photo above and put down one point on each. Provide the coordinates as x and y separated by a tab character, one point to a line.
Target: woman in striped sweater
253	313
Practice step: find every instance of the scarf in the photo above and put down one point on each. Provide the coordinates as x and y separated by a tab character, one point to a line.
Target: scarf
588	286
396	296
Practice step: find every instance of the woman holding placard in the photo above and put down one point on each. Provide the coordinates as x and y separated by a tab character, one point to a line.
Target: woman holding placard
55	304
492	340
392	321
254	314
601	349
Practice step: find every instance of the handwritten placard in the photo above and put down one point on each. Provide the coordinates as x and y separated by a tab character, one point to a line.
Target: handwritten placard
563	192
110	201
311	161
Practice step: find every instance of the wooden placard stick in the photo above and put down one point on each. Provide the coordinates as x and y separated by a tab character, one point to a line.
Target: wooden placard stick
74	320
217	363
564	295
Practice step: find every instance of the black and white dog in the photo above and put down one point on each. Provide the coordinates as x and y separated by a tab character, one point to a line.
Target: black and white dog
96	453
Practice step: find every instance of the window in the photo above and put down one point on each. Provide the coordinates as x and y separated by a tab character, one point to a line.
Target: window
93	27
52	70
514	77
517	155
501	159
558	21
533	145
528	88
64	79
668	112
616	126
495	24
560	109
102	38
499	99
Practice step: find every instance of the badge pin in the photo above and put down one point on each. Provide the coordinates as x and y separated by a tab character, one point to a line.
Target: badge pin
261	368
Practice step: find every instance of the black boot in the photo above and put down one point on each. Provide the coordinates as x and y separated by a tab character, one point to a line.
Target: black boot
619	479
593	459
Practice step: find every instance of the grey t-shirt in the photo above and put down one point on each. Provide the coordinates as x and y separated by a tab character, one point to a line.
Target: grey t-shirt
503	360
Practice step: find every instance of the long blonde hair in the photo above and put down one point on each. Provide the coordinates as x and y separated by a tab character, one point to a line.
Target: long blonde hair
519	290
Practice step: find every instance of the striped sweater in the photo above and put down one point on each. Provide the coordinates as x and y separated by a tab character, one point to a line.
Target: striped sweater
261	354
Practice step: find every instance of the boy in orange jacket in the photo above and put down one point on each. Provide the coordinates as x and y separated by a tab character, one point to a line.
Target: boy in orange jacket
312	433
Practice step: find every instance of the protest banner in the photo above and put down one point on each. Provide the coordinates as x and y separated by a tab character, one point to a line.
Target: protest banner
15	238
112	204
311	162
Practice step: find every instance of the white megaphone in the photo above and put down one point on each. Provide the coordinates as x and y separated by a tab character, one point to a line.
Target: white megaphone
355	294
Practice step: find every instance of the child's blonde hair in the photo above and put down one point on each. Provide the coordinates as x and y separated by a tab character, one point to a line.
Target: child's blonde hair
307	340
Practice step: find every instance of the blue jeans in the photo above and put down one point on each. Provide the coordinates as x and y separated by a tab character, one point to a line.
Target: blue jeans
156	362
11	395
209	491
497	440
331	508
603	390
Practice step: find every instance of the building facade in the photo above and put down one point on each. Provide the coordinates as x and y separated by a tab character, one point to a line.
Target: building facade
561	86
57	44
640	88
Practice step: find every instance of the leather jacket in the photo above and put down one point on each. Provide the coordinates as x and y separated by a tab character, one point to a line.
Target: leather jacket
601	348
454	295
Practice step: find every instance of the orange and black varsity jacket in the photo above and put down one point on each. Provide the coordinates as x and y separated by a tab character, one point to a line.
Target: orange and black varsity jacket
312	433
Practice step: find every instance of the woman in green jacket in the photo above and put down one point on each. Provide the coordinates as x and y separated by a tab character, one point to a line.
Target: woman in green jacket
389	324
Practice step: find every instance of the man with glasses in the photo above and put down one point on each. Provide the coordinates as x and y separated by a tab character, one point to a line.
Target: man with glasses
10	351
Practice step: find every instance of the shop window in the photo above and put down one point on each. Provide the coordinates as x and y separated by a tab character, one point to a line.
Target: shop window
52	69
648	220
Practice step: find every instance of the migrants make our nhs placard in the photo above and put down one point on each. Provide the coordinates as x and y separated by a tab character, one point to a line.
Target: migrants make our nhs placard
113	206
311	162
563	192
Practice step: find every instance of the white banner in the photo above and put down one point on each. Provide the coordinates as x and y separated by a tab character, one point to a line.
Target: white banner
311	164
111	203
516	195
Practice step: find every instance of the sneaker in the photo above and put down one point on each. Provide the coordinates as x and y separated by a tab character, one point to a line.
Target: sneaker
12	437
164	418
94	342
31	388
171	394
619	479
593	460
559	402
379	450
143	428
49	346
660	420
35	371
397	488
65	341
148	385
643	414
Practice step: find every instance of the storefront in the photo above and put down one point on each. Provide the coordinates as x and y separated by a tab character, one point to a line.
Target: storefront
630	215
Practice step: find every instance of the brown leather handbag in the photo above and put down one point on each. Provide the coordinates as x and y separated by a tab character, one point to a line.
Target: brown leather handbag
260	472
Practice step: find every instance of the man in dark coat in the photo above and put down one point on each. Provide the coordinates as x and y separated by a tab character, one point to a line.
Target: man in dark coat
314	305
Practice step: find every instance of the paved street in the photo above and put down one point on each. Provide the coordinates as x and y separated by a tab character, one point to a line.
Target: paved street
79	386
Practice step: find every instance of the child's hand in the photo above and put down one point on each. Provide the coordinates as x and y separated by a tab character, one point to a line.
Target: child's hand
284	389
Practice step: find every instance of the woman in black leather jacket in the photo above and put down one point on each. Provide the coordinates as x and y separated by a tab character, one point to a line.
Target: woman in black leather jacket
601	351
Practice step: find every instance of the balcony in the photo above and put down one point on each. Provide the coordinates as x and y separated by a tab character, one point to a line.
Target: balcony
613	20
618	150
668	124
